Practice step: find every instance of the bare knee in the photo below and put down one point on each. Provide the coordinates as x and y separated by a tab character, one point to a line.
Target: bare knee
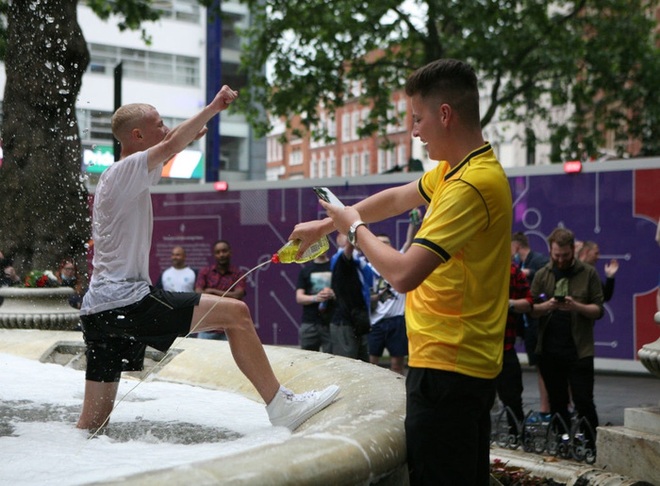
222	313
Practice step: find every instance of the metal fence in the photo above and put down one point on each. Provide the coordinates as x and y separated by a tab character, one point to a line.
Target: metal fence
545	434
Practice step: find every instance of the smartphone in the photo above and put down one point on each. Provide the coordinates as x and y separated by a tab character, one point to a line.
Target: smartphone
560	298
327	195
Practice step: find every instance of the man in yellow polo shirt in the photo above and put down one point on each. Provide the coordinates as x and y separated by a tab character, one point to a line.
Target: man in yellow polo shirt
456	275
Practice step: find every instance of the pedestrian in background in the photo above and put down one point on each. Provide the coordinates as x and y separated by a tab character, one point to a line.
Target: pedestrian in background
179	277
222	279
574	301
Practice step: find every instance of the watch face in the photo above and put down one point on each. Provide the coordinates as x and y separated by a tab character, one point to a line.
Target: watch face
351	236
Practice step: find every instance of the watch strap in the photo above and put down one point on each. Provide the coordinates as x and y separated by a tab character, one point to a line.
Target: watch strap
352	231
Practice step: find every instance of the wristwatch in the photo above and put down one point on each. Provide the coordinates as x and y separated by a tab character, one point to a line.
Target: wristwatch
352	237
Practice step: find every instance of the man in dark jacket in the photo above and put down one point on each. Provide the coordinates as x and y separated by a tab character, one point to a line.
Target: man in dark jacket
572	301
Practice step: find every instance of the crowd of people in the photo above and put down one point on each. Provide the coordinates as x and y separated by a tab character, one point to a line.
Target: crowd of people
554	323
349	309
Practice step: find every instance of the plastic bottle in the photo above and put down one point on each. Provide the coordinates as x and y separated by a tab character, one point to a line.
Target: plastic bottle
415	217
287	254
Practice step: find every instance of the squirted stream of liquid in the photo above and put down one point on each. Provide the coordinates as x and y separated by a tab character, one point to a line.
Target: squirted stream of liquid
274	259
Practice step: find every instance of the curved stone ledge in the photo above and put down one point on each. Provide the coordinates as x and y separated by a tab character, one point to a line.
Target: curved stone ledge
358	440
649	355
37	308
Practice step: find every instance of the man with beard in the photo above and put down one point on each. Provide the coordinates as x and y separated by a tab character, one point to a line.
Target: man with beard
573	302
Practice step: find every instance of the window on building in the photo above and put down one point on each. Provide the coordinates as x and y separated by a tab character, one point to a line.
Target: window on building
332	127
313	168
323	169
381	161
233	153
332	165
355	123
345	127
232	23
391	159
344	165
355	165
365	163
95	126
316	138
184	10
147	65
295	157
274	150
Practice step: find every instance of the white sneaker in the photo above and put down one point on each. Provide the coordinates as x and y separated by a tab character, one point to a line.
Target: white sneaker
288	409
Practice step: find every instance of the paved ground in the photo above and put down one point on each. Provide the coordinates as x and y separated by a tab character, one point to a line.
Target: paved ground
613	393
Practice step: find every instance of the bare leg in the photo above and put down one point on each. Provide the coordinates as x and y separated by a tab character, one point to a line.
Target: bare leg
543	395
234	317
396	364
97	404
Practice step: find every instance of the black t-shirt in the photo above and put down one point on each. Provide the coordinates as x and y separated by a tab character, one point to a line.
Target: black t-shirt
347	287
313	278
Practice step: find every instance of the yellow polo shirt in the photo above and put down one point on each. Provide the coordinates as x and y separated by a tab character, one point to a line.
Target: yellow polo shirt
456	317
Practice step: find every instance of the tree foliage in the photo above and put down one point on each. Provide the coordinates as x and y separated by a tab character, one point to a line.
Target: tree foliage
534	58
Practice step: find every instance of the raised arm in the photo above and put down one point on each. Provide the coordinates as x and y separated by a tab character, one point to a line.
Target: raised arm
377	207
190	130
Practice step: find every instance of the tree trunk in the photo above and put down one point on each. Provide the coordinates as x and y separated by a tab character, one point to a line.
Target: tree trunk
43	201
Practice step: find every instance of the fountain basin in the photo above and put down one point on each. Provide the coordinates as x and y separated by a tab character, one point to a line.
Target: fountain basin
38	308
359	439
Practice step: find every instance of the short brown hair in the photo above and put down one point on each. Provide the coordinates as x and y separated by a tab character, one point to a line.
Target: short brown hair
449	81
520	237
561	236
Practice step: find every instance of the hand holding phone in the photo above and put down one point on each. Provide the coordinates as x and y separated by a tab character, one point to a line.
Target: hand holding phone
327	195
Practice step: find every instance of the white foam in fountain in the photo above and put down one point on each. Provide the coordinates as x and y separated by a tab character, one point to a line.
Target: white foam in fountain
158	425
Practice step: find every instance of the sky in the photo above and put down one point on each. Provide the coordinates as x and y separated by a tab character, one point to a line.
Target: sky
157	424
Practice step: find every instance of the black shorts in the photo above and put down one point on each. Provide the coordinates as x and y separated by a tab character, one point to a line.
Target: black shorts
116	339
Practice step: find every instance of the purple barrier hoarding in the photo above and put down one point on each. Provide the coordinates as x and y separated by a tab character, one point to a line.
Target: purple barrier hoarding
618	209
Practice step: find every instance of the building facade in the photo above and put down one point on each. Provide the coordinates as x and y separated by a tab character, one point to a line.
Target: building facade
342	151
291	156
170	73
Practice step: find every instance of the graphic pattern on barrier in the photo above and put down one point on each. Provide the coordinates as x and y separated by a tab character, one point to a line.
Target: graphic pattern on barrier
617	209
